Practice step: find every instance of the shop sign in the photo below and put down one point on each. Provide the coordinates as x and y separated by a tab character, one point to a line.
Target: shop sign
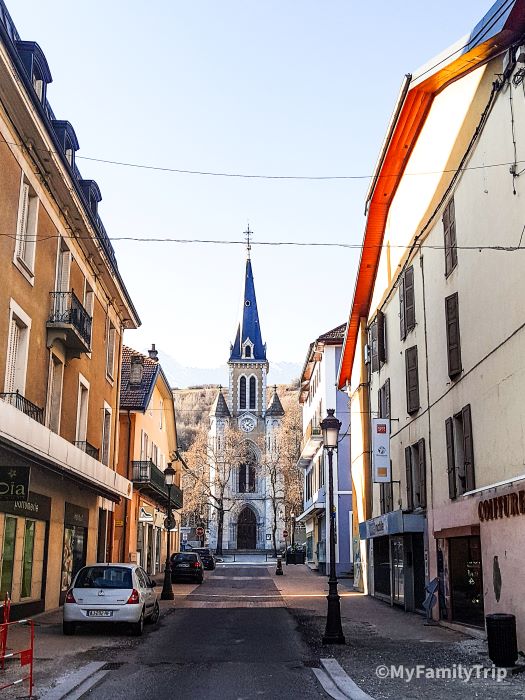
381	450
502	506
14	483
145	513
76	515
378	526
36	506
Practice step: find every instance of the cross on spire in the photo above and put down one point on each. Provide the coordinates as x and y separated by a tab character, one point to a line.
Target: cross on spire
248	235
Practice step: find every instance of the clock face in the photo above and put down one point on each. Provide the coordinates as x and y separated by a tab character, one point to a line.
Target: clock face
247	424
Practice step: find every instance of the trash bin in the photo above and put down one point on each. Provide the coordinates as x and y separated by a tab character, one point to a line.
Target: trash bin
501	638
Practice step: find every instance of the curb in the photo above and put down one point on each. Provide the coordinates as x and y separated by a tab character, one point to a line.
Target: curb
77	683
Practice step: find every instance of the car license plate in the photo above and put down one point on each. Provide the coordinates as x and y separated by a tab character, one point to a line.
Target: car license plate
184	566
100	613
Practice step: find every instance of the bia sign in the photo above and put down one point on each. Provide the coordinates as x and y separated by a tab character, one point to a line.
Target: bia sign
14	483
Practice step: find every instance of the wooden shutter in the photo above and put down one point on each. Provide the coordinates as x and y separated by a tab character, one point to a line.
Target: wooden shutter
451	458
382	507
373	346
468	448
14	345
410	486
412	380
389	494
381	337
449	232
422	473
410	308
106	437
23	217
453	337
402	324
453	243
64	265
386	399
380	403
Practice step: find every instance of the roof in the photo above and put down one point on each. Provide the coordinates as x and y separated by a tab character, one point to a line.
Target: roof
219	408
335	336
137	397
503	25
275	407
249	327
314	354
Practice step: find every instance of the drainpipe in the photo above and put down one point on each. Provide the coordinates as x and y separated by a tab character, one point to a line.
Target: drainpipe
126	502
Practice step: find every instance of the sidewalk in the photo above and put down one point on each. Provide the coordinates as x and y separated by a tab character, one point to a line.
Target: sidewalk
382	640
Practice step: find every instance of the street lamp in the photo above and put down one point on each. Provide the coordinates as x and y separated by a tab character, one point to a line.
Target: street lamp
334	631
169	523
292	516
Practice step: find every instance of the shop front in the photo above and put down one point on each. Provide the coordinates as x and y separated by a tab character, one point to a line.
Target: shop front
151	537
74	549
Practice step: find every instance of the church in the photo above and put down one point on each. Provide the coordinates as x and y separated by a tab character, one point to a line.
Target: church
248	515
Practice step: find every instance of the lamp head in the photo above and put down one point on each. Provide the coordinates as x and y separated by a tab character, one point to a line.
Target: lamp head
330	427
169	475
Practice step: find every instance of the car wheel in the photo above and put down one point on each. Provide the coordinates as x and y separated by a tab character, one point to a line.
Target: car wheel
137	628
154	617
68	628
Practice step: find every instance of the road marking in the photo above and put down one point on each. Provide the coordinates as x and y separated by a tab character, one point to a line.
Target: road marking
230	604
328	685
241	578
343	681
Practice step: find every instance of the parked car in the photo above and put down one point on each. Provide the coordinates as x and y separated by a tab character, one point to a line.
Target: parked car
111	593
207	558
186	565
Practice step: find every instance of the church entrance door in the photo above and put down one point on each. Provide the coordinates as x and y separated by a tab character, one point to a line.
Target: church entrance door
246	529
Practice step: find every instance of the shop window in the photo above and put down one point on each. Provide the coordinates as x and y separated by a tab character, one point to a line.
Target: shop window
449	232
8	557
460	453
27	560
412	380
416	481
407	306
453	337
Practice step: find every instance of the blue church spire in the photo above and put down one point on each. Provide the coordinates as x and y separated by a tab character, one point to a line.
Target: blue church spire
248	343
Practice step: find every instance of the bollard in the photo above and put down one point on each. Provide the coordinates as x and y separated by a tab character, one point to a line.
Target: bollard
279	569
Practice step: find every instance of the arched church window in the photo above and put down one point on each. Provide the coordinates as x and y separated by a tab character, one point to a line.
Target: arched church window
247	351
242	392
247	481
253	392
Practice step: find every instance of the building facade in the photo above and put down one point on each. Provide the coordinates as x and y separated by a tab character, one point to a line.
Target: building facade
437	335
148	442
248	497
318	393
63	309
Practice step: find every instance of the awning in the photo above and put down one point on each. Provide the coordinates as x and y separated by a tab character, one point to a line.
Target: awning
394	523
314	509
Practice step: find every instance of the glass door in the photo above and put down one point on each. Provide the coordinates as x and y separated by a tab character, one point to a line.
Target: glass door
398	570
8	556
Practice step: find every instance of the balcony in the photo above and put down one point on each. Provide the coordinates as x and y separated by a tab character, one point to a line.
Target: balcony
86	447
150	479
69	322
312	440
16	399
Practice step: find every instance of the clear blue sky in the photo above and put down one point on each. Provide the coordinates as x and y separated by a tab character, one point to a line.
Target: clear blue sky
253	86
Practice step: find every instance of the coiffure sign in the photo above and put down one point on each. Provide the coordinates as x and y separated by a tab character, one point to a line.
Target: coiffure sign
14	483
502	506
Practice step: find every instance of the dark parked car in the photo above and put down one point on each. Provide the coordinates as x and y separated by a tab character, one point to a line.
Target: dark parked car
207	558
186	565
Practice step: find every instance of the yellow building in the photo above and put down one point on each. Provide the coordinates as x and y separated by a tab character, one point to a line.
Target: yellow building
63	308
148	440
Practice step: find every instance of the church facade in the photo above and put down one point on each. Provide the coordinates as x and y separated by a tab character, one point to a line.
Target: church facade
245	413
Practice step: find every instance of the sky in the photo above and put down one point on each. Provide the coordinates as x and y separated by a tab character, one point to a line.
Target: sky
275	87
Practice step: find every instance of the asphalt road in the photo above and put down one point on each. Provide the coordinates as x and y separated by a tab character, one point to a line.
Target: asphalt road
232	638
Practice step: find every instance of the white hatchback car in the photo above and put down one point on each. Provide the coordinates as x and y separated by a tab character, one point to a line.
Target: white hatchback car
111	593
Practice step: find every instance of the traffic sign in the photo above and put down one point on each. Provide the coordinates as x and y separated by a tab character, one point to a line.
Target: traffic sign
285	533
169	523
200	531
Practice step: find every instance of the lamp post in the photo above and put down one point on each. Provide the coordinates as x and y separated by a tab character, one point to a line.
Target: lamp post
292	516
333	634
167	589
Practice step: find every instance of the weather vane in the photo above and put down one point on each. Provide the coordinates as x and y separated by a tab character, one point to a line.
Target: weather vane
248	235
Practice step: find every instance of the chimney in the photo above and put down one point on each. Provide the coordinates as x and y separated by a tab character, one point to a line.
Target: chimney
137	370
153	354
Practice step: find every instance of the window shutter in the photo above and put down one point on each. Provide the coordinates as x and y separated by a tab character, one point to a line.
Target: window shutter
449	232
380	403
410	308
63	271
382	508
381	337
389	494
453	244
386	399
373	346
468	448
23	217
402	324
422	473
410	487
14	344
453	337
412	380
451	458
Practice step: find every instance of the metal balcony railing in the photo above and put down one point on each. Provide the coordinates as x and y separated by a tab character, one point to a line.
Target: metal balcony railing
147	473
86	447
16	399
67	309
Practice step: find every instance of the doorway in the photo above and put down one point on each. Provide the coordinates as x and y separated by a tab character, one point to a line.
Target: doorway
466	581
246	529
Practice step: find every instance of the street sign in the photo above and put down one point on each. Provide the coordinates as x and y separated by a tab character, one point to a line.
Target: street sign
200	531
14	483
285	533
169	523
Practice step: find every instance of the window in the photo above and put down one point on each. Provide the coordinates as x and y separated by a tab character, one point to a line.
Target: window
416	481
144	446
453	338
308	485
242	392
247	351
17	351
26	229
8	556
38	85
63	269
412	380
377	341
386	500
106	435
54	393
383	403
460	453
82	409
27	560
253	393
247	478
407	306
449	232
320	467
89	297
110	356
161	414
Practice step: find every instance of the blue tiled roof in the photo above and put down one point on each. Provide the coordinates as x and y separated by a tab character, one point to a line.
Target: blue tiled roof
249	327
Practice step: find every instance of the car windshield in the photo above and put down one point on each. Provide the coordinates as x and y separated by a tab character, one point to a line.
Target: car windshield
184	557
104	577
